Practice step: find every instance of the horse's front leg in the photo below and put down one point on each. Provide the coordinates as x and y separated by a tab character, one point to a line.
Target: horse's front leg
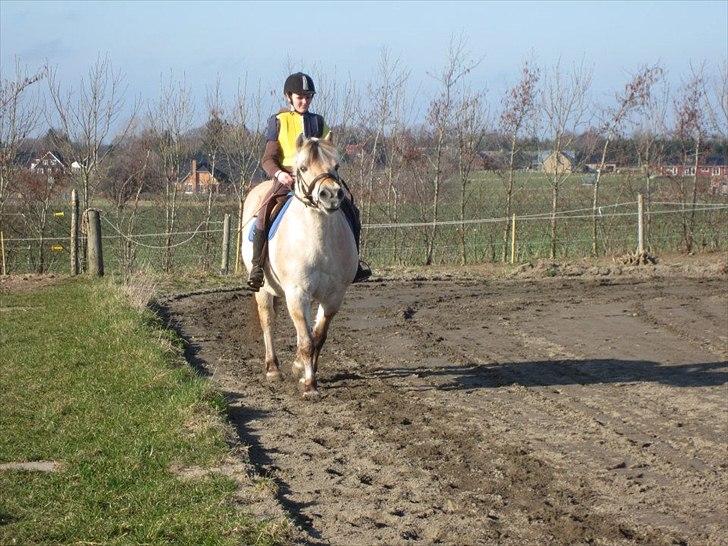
320	331
299	307
267	315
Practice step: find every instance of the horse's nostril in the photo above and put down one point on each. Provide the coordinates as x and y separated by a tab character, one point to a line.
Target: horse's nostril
340	194
324	194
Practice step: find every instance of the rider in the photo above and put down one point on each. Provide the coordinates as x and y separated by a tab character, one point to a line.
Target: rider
281	134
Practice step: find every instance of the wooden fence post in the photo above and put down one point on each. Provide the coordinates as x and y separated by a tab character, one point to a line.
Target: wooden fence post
239	237
2	251
225	245
95	253
640	225
74	233
513	240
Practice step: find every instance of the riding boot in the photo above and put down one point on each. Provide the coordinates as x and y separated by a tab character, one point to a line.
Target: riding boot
256	276
363	271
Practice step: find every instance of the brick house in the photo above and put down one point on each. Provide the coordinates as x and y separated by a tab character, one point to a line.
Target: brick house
200	178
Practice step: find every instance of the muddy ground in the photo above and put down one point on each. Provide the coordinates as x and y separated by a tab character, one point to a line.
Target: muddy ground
588	409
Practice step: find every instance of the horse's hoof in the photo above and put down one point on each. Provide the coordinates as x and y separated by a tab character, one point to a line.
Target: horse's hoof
273	376
311	395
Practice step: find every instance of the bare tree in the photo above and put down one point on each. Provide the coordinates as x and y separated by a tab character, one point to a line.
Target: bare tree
170	119
396	169
470	124
651	144
690	130
440	119
565	109
242	147
519	109
636	95
717	102
38	191
88	116
331	95
375	117
19	116
129	173
213	140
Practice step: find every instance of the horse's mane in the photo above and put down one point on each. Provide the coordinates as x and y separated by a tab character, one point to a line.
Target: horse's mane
316	150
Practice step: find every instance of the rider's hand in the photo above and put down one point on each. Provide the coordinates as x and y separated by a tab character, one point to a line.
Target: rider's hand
285	178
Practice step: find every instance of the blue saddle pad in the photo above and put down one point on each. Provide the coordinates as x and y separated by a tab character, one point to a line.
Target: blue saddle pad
274	226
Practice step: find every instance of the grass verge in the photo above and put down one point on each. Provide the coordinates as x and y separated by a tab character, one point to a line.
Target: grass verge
90	383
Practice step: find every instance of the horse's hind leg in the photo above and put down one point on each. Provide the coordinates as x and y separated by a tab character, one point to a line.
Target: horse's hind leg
267	315
299	308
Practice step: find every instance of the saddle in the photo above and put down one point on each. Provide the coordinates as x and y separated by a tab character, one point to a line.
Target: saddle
274	213
276	208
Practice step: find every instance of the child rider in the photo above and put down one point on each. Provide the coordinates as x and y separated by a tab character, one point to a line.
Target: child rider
278	159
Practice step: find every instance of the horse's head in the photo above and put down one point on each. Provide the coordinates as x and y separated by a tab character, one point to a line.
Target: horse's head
317	179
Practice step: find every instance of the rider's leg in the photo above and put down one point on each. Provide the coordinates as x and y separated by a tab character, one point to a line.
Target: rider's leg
352	214
256	276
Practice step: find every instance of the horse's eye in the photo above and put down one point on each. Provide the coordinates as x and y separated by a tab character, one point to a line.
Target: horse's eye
336	167
303	169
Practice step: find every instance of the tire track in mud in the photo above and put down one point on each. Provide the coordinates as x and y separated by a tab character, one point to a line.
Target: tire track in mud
448	417
630	431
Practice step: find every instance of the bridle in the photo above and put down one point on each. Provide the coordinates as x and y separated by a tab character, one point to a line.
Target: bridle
306	190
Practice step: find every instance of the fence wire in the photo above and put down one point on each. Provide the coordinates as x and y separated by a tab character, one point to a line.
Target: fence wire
401	235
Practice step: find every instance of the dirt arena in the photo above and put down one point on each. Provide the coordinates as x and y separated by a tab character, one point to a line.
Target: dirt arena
466	410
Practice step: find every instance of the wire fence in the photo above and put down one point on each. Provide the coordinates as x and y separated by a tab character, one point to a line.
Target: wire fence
35	242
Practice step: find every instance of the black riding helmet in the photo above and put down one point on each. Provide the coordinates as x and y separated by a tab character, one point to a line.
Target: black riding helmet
300	84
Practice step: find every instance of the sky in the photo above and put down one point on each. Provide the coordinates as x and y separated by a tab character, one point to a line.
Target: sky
147	41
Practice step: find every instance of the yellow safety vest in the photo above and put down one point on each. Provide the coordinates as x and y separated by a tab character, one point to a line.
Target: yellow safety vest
291	126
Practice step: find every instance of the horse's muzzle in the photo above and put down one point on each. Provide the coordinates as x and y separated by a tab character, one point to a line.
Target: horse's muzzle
329	199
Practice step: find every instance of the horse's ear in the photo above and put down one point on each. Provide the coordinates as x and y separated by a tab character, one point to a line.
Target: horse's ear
299	141
329	136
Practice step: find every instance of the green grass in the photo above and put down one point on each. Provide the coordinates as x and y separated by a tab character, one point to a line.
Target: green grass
100	388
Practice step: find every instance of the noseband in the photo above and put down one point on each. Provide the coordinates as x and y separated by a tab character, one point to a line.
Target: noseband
307	189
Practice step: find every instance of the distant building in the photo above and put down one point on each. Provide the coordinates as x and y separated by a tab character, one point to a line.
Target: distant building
76	166
689	170
561	162
201	178
608	167
50	163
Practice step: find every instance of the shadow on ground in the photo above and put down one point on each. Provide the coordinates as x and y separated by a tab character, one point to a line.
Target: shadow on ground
545	373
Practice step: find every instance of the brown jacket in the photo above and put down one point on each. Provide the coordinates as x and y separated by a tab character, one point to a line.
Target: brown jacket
271	161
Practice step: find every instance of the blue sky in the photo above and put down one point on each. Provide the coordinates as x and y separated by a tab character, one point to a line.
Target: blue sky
148	39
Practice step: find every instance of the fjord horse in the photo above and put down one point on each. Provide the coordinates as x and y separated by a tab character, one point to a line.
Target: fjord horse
312	258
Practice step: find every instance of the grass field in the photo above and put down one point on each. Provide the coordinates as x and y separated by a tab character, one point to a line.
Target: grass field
100	389
406	245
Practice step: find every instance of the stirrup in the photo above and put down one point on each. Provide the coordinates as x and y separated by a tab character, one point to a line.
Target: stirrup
363	272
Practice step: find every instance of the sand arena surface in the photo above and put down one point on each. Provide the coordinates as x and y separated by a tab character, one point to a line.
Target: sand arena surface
464	411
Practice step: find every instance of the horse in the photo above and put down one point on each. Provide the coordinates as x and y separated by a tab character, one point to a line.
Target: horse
312	258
